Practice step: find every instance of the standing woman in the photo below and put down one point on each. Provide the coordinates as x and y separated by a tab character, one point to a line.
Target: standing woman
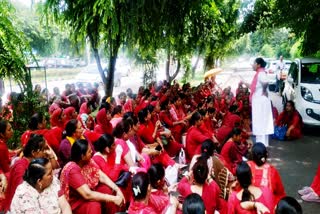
262	120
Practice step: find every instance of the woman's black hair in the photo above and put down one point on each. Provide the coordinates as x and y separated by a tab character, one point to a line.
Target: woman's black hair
103	142
207	149
164	104
35	120
236	131
142	114
140	184
150	108
288	205
193	204
127	115
195	117
3	126
203	112
156	172
292	104
133	120
105	105
200	171
244	177
35	143
71	127
121	128
78	149
211	110
259	153
116	110
261	62
35	171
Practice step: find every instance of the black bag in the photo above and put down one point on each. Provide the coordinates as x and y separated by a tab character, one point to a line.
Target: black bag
124	179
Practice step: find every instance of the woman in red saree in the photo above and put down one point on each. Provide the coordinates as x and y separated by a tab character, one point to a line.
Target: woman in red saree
105	159
70	113
35	148
149	147
264	174
249	197
37	125
141	193
86	187
103	125
195	136
291	118
159	196
197	183
6	133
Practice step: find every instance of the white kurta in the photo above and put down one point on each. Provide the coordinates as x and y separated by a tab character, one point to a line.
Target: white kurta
262	119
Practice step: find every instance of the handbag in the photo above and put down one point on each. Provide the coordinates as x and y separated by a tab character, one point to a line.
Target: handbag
280	132
123	179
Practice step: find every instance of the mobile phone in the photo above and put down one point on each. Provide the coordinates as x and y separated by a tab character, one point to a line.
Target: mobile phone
158	148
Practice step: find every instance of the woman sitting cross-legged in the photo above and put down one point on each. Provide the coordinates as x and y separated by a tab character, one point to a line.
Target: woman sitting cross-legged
85	186
39	191
249	198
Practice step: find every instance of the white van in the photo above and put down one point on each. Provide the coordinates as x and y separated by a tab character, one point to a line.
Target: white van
303	87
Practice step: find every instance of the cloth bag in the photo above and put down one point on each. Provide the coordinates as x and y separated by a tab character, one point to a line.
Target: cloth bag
280	132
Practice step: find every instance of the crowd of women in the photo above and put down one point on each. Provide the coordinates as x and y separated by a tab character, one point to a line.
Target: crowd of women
116	161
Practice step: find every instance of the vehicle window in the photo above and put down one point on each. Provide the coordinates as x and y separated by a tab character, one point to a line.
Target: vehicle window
310	73
293	72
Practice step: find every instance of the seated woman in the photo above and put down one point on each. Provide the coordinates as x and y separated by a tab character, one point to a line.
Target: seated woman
86	187
249	197
193	204
291	118
264	174
233	150
159	196
288	205
74	132
216	165
141	189
35	148
197	183
195	136
103	117
38	125
39	191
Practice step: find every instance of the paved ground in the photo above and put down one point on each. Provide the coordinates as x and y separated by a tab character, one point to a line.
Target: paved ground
297	162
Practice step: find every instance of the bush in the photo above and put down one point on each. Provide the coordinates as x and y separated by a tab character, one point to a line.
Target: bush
267	51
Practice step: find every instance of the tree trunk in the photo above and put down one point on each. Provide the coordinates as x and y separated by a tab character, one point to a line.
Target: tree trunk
110	77
168	66
194	67
176	72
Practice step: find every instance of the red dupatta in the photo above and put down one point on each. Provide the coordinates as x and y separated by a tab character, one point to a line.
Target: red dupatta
90	173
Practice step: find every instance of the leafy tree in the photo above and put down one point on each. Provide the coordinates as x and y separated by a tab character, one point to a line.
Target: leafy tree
301	17
14	53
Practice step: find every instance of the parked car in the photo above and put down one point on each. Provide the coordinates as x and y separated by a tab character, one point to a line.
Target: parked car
303	87
90	74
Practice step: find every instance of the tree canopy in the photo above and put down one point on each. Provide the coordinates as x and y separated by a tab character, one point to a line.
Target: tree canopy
301	17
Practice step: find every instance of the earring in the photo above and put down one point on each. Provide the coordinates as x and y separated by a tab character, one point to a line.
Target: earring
40	185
